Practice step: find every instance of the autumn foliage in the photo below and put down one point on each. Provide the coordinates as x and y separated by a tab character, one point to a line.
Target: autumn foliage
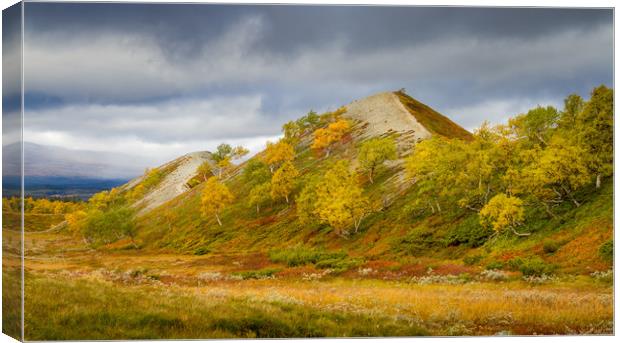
215	197
325	138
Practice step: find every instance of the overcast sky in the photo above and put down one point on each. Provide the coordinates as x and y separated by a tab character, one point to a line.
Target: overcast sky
161	80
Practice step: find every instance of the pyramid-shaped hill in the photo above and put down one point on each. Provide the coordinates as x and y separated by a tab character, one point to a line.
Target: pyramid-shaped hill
376	115
169	181
432	120
398	112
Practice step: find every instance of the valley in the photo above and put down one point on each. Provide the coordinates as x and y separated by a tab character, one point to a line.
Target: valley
379	218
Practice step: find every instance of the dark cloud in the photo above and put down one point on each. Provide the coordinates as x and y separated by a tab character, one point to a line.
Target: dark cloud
143	64
183	27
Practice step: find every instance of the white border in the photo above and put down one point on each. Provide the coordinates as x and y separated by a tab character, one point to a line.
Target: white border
479	3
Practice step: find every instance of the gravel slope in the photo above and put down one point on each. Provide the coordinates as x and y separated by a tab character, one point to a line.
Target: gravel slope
174	183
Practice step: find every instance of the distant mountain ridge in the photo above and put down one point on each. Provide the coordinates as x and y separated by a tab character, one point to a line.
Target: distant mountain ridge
52	161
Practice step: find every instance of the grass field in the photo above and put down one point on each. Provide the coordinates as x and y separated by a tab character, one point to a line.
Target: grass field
75	293
98	306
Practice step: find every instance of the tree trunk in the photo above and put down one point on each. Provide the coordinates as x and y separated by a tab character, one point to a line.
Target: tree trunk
286	197
218	219
357	224
598	181
257	209
438	207
548	210
520	234
541	139
370	177
570	195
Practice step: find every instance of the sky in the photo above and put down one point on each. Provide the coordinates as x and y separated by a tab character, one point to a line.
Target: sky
161	80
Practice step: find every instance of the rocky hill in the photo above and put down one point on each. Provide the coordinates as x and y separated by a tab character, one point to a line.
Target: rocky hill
388	114
176	175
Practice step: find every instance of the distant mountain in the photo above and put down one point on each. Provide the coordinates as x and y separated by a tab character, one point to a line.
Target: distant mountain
51	161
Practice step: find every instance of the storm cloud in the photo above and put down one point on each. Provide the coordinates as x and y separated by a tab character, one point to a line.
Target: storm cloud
161	79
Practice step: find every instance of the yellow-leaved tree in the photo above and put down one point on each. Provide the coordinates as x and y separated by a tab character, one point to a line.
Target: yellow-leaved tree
374	152
224	155
135	193
324	138
76	221
339	199
259	195
205	169
283	181
306	200
215	197
292	131
278	153
503	212
595	132
555	173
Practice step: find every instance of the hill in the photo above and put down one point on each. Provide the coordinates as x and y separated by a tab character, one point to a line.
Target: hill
389	232
172	179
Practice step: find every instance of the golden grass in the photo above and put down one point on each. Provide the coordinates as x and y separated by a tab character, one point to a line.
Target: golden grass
482	308
574	306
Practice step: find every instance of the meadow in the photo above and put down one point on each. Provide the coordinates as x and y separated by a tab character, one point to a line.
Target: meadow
73	292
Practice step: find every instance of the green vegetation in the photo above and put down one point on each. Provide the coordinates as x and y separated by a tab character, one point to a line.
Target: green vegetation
550	247
102	227
534	266
606	251
224	155
431	119
256	274
300	255
374	152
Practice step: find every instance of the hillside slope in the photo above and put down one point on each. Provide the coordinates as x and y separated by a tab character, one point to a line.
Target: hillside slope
176	174
390	233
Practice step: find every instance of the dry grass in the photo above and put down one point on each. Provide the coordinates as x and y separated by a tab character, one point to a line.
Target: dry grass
479	308
574	306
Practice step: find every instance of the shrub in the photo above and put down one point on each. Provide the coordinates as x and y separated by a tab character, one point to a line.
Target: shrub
103	227
494	275
535	266
538	279
300	255
514	263
201	251
604	276
418	241
256	274
495	265
339	265
447	279
469	233
550	247
471	260
606	251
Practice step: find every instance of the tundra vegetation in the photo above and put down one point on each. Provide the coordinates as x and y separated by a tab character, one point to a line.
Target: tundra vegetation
330	232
